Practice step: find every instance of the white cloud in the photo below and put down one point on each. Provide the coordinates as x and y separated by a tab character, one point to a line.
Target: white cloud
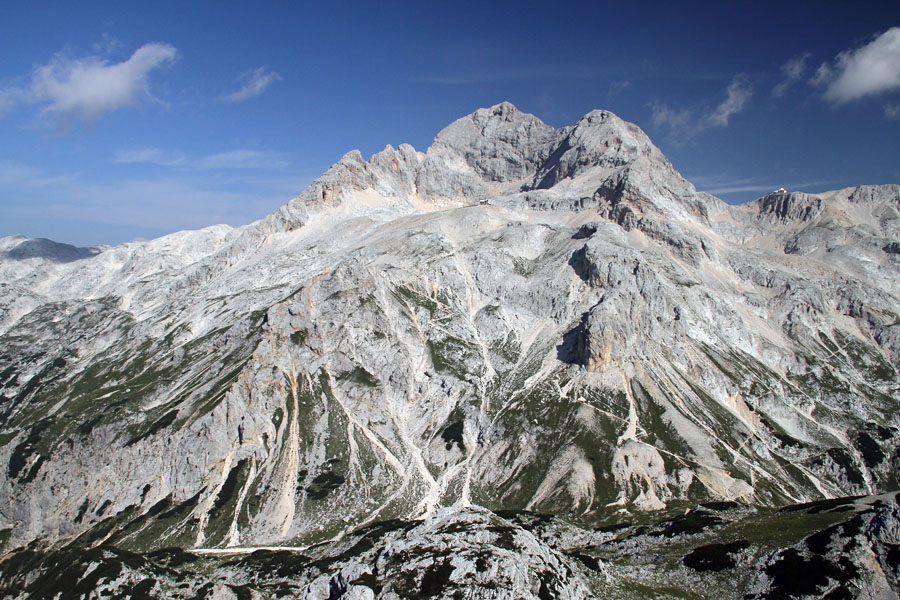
255	83
892	111
684	123
823	75
739	91
870	70
87	88
791	72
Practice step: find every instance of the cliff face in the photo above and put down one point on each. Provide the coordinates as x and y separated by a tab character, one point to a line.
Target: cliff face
521	318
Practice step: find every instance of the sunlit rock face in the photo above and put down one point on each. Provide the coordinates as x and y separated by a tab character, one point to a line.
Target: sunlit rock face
520	318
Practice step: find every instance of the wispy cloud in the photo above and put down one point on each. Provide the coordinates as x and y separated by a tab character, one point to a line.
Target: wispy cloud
242	159
892	111
791	72
232	159
870	70
23	176
687	123
663	115
751	187
173	201
85	89
107	44
617	86
152	156
721	186
254	83
481	74
739	92
9	97
167	204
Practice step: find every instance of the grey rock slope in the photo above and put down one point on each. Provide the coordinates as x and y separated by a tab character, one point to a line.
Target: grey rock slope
521	317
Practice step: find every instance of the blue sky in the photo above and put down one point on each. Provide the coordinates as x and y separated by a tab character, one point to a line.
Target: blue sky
121	120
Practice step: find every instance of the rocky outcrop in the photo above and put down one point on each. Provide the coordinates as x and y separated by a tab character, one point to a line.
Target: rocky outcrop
789	208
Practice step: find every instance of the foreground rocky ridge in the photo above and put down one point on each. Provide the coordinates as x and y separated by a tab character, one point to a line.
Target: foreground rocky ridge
522	318
838	548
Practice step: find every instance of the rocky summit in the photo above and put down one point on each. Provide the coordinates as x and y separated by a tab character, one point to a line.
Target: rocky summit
527	363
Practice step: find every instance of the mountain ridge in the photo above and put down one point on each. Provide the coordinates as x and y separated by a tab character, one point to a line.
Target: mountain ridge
520	318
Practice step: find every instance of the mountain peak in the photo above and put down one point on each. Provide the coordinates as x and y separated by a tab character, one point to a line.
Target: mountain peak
601	143
600	116
499	151
500	143
505	111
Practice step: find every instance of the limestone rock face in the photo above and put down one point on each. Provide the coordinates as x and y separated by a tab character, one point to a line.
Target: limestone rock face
520	318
